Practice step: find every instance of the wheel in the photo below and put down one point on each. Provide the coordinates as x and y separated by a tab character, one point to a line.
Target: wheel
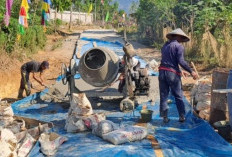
64	74
127	105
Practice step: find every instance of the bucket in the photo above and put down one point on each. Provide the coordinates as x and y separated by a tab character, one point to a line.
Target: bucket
229	97
146	115
219	106
224	129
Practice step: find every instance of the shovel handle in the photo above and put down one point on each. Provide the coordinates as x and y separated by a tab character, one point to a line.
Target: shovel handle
195	69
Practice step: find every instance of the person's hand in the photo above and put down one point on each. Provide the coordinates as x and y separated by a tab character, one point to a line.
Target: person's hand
184	74
194	75
42	84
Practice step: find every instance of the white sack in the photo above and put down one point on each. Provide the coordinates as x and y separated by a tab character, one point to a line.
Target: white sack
50	143
26	146
74	124
80	104
8	143
93	120
104	127
128	134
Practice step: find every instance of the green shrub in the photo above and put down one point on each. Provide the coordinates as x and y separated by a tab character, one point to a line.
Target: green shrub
58	22
33	38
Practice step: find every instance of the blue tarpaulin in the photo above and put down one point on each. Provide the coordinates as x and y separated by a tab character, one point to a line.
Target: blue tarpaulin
195	137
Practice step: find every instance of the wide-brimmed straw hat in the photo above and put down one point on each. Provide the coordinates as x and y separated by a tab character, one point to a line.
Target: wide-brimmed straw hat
179	32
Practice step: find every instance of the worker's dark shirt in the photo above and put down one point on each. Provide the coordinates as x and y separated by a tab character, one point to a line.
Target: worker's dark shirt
173	55
31	66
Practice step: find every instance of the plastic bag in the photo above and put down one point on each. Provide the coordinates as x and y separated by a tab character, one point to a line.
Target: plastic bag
26	146
123	135
50	143
104	127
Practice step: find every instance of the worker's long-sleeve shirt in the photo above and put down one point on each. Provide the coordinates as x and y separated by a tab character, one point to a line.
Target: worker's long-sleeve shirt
173	55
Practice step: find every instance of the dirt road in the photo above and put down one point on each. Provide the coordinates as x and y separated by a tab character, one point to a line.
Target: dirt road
58	50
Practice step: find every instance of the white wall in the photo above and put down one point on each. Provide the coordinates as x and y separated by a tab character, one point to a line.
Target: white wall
84	18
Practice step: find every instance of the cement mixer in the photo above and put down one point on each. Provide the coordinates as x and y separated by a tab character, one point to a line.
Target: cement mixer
99	67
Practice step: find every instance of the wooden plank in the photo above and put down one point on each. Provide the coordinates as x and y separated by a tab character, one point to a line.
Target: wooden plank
224	91
33	127
154	143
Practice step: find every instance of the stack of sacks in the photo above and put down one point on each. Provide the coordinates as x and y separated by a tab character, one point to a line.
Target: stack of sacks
7	119
80	115
6	114
8	143
201	94
111	132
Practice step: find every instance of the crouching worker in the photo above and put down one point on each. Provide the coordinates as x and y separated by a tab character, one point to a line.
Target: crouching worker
170	74
27	68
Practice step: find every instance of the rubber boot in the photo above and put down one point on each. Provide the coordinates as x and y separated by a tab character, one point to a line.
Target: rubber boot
20	93
181	119
165	116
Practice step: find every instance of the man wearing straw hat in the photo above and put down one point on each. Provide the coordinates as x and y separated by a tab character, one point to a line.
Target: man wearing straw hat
170	74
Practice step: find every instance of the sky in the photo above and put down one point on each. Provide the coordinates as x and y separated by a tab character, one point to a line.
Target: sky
125	4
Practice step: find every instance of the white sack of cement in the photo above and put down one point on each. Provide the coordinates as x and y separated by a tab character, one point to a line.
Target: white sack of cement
26	146
50	143
123	135
81	102
104	127
6	111
16	126
6	120
204	114
6	114
93	120
202	105
8	143
153	63
74	125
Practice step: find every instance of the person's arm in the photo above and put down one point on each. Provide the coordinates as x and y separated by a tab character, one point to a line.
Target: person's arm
33	74
183	63
41	78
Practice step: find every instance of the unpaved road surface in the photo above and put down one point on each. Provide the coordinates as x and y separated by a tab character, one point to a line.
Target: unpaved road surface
58	50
